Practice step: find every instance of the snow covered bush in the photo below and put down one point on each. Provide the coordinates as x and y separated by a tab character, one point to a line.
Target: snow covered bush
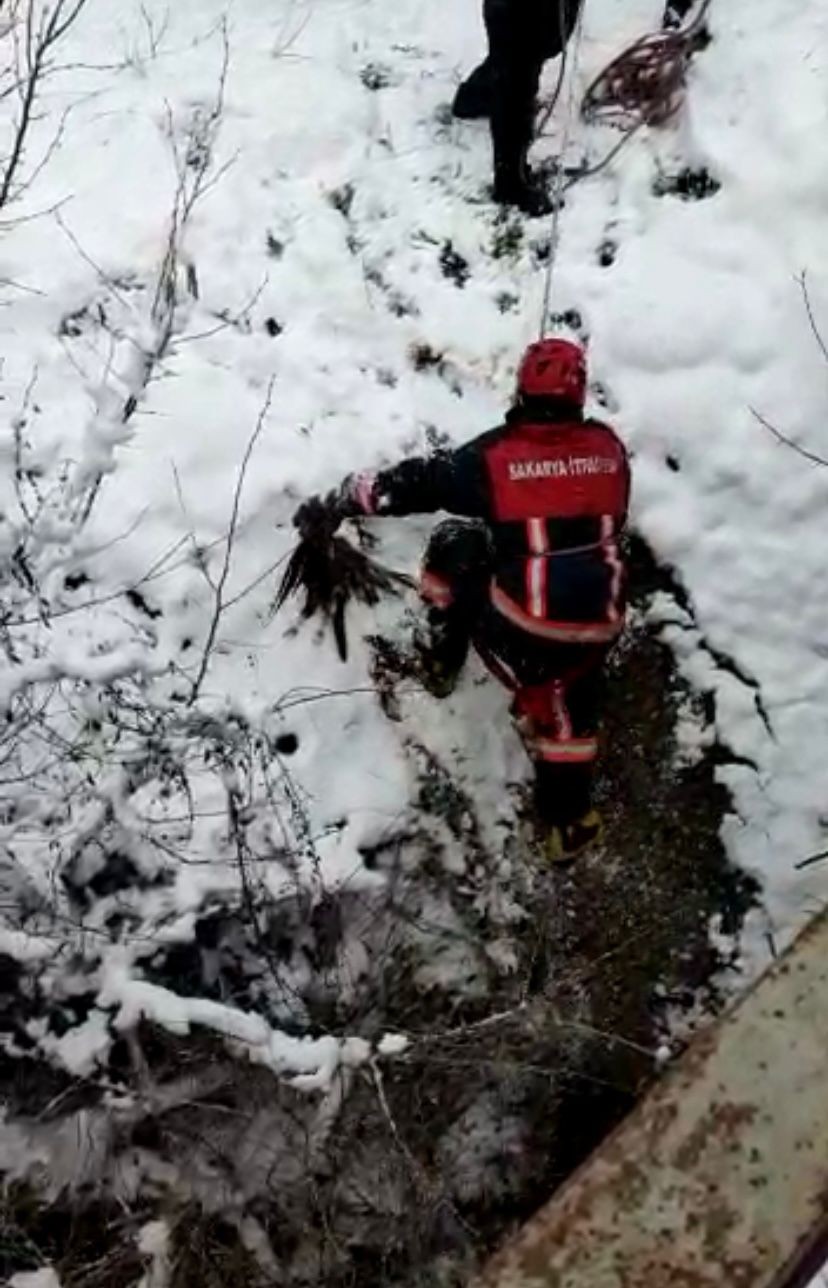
31	37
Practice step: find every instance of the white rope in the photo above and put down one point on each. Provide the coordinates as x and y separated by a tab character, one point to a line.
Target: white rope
559	187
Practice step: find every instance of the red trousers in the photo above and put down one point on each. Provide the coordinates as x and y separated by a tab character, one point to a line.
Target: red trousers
558	688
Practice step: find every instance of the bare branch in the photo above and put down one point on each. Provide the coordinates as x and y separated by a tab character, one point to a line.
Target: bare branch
198	552
788	442
803	286
37	214
814	858
155	35
257	581
20	286
193	168
228	320
20	474
100	273
219	604
44	28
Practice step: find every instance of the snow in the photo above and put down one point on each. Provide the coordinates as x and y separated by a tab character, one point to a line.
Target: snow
153	1241
82	1047
312	1063
45	1278
326	210
24	947
392	1044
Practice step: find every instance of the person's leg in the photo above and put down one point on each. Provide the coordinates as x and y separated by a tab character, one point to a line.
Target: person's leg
561	17
516	58
522	35
453	584
558	719
473	100
562	793
565	744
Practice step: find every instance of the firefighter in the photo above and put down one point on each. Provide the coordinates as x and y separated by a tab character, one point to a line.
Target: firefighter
522	35
528	571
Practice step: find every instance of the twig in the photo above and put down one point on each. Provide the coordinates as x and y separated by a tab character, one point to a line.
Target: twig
257	581
814	858
477	1026
154	35
613	1038
19	469
198	552
40	40
228	321
36	214
219	606
20	286
803	286
321	695
193	169
103	277
788	442
417	1169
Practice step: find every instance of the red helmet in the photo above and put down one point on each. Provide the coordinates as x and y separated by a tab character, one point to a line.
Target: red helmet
553	369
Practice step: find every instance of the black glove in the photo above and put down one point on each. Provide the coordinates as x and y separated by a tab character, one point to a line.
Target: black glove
318	518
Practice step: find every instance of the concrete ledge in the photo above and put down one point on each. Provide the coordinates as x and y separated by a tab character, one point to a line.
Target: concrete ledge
719	1178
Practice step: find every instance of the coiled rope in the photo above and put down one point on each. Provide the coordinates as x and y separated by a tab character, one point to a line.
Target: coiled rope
643	86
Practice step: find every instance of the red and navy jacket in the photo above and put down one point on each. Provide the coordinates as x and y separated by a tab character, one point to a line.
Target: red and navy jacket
555	495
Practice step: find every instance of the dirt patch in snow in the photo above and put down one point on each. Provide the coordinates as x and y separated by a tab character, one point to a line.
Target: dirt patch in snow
421	1163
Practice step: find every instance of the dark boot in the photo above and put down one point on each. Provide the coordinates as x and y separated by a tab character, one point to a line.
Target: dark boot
561	844
473	100
675	11
440	651
519	186
567	822
522	35
455	577
514	90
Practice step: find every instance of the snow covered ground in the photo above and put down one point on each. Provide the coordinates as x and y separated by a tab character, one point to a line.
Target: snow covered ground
343	293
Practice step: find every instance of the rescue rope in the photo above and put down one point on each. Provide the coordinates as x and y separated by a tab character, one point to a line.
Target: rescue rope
642	86
559	187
